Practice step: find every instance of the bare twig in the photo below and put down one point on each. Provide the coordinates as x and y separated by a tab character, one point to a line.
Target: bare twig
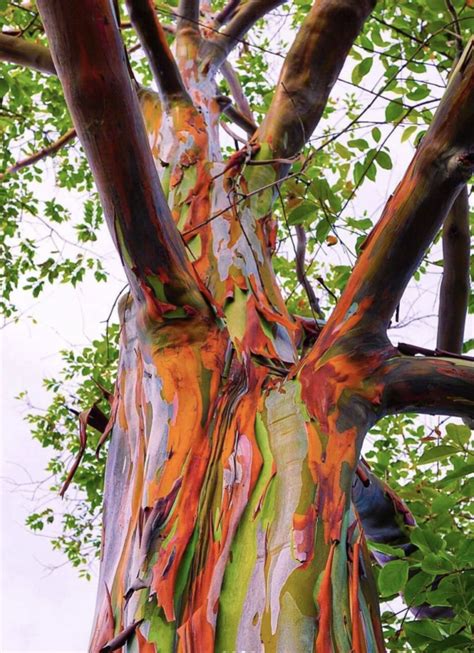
233	81
456	28
412	350
49	150
301	272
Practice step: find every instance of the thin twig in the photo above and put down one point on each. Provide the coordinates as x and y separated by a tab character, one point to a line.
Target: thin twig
49	150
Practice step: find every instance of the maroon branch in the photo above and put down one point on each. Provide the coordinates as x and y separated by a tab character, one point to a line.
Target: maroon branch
15	49
188	18
301	271
455	286
88	53
310	71
226	13
236	90
243	19
428	385
49	150
153	39
413	350
413	215
225	106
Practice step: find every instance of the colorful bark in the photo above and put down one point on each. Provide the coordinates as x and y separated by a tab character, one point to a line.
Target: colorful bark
455	286
228	522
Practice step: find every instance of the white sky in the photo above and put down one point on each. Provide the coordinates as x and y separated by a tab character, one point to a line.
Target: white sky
51	611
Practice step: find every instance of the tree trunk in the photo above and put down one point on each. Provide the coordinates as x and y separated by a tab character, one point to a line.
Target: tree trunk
228	522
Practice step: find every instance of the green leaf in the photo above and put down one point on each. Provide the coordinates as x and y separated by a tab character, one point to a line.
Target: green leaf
304	212
436	5
408	132
458	433
426	540
462	472
436	564
359	143
416	587
457	641
384	160
376	134
437	453
342	151
420	93
424	628
359	172
386	548
361	70
394	111
393	577
322	229
4	86
468	345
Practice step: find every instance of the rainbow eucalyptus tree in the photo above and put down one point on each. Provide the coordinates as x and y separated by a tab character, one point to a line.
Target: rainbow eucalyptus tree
235	505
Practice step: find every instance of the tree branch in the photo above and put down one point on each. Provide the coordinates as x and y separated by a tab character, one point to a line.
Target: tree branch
226	13
243	19
386	519
153	39
412	350
414	213
188	17
225	105
454	293
188	31
14	49
237	93
301	270
88	53
49	150
428	385
310	71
